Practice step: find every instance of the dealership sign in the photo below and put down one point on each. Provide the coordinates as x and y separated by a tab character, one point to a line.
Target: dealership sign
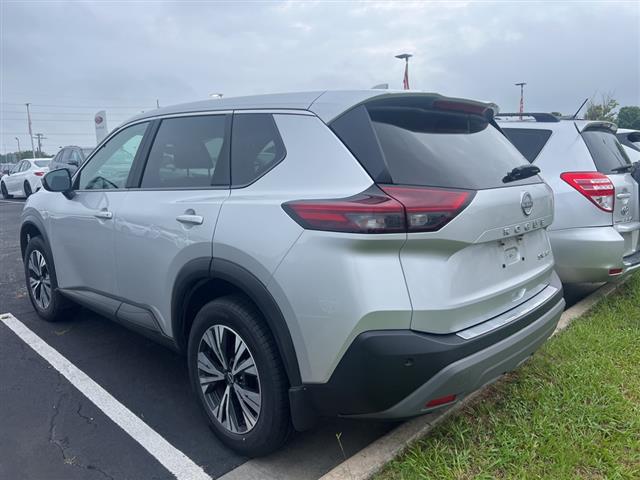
100	121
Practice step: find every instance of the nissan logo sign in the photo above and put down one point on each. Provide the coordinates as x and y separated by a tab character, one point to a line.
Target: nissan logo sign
526	202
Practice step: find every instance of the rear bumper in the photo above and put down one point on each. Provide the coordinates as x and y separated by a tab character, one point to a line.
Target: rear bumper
394	373
589	254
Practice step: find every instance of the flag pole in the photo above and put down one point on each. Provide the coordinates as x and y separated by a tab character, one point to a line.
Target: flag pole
33	148
405	80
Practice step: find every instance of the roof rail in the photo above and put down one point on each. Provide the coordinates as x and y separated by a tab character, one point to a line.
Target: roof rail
538	117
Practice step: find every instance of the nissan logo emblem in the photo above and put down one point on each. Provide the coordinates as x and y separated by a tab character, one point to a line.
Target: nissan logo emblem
526	203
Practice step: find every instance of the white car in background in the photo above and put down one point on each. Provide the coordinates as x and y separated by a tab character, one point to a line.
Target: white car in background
24	178
595	235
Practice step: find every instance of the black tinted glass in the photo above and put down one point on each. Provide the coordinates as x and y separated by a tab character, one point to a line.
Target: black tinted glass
256	147
188	152
528	141
606	151
444	149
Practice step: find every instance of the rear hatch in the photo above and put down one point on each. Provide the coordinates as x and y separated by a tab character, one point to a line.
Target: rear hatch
476	244
611	160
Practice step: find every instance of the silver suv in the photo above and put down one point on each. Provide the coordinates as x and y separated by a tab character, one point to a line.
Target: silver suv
351	253
596	232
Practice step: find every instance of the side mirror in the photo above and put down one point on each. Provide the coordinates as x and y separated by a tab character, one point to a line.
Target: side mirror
58	181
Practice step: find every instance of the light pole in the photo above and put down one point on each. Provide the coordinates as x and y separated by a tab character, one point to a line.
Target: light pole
19	153
521	85
33	148
405	80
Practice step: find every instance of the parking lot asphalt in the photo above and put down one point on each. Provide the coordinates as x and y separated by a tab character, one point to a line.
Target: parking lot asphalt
50	430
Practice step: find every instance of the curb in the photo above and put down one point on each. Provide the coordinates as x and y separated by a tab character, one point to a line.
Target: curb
371	459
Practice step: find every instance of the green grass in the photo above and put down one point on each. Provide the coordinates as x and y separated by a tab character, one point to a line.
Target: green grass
573	411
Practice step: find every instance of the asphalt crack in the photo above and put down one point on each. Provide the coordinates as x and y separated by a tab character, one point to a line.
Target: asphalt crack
89	420
63	444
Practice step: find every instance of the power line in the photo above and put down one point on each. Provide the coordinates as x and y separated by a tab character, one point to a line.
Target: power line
6	132
55	120
130	107
72	114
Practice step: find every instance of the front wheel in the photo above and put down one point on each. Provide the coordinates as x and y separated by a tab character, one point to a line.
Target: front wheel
5	193
42	284
238	376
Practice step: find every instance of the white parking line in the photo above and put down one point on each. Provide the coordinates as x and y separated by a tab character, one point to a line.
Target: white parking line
169	457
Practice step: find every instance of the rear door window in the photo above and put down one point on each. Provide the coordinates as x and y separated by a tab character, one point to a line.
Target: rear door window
529	141
188	152
606	151
422	146
256	147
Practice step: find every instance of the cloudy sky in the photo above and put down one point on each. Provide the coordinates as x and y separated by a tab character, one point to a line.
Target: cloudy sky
70	59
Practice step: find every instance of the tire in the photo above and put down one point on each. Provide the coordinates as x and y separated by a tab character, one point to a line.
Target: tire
247	429
5	193
27	189
40	276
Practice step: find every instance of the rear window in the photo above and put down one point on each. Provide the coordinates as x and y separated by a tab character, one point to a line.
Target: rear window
403	141
606	151
529	141
42	163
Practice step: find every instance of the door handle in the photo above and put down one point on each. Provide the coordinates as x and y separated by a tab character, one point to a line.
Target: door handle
190	219
623	195
104	214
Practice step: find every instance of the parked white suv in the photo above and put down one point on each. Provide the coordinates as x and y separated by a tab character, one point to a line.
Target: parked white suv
596	231
355	253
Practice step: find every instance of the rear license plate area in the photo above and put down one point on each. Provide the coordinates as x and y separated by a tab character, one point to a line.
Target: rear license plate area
511	251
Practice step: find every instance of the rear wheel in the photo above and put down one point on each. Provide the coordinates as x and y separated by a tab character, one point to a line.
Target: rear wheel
238	376
27	189
42	284
5	193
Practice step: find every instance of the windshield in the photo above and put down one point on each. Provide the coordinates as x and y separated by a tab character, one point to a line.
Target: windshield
86	152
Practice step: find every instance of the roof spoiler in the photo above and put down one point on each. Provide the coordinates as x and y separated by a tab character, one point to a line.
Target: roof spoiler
596	125
537	116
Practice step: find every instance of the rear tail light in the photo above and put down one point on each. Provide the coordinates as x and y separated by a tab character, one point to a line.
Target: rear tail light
593	185
390	210
429	209
615	271
38	174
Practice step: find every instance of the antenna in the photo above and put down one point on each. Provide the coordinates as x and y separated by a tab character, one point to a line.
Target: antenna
577	111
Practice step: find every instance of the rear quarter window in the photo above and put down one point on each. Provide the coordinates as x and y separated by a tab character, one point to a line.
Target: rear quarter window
528	141
420	146
606	151
256	147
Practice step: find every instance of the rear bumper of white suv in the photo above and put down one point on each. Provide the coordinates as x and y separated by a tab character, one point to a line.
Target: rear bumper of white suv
592	254
392	374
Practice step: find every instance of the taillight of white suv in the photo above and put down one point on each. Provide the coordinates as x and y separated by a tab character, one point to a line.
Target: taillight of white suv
595	186
388	209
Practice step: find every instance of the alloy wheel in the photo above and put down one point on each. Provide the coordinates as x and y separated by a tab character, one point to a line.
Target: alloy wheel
229	379
39	279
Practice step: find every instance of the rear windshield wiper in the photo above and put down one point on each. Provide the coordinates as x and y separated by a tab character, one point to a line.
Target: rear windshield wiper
523	171
624	168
